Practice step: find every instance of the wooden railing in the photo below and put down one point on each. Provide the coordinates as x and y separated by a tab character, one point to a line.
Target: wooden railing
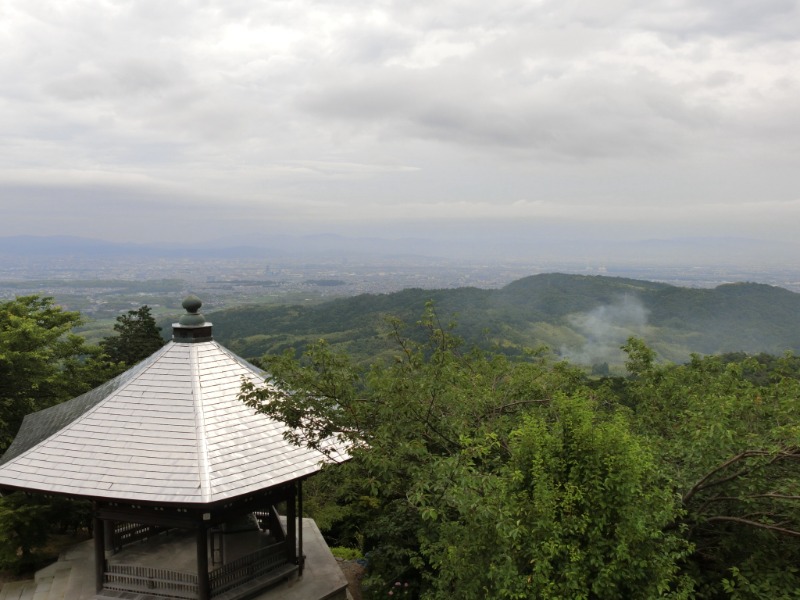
166	584
247	567
163	583
128	533
269	521
146	580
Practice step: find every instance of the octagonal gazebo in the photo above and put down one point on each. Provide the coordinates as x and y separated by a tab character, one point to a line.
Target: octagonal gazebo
168	447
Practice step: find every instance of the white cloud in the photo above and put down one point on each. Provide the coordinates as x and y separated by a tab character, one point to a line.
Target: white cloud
625	112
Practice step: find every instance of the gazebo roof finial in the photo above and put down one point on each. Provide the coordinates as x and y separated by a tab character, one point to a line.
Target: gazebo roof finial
192	318
192	326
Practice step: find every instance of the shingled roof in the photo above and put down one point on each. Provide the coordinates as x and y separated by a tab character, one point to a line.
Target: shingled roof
169	430
38	426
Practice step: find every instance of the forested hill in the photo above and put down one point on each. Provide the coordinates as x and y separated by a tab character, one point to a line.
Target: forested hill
583	318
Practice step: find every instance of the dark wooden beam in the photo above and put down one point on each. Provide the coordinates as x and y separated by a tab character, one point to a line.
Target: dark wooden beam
149	517
108	527
99	554
189	516
301	558
203	583
291	525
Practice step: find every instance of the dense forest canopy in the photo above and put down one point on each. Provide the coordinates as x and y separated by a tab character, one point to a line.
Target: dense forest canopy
478	472
478	475
582	318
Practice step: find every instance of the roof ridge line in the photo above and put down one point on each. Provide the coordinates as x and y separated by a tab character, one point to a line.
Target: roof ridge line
204	471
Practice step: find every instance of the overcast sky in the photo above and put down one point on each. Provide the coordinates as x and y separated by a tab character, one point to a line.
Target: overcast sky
630	119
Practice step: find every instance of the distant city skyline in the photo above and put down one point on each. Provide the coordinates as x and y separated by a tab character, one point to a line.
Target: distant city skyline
500	122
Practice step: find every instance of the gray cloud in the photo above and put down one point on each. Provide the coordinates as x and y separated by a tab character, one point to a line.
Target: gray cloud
621	112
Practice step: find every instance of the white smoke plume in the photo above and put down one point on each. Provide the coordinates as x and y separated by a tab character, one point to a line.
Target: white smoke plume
605	329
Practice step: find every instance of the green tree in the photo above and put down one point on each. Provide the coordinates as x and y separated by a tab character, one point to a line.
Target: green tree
25	525
42	362
731	448
137	337
453	453
578	509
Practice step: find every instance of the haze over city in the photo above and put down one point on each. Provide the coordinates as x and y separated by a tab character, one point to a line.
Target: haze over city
559	121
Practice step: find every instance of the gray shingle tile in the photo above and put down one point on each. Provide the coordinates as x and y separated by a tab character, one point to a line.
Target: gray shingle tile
169	430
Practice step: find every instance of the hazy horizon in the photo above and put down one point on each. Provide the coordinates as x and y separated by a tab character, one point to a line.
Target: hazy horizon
432	261
621	121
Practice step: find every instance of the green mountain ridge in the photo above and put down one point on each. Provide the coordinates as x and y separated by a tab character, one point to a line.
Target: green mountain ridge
579	317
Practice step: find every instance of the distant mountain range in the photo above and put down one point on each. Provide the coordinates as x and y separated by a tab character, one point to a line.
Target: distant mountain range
701	251
583	318
44	246
289	246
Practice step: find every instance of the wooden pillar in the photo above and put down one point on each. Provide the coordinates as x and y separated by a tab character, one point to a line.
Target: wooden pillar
203	584
301	558
99	553
291	525
108	528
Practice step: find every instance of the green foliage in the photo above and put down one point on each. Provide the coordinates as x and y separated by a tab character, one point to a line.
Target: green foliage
730	446
577	510
641	359
475	475
24	523
138	336
41	361
582	317
346	553
323	501
469	475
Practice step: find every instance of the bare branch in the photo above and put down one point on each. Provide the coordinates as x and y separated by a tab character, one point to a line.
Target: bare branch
704	483
770	495
776	529
778	496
